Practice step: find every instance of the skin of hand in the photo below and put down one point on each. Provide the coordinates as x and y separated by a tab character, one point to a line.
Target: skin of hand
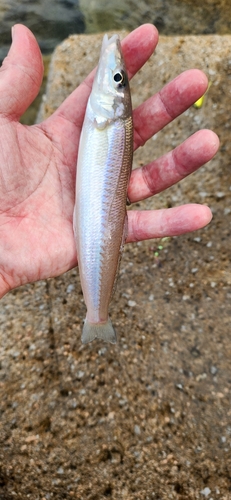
38	163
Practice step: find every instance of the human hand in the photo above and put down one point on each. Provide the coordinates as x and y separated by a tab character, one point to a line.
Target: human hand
38	163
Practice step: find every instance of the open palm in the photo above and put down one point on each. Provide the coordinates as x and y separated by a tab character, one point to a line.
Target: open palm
38	163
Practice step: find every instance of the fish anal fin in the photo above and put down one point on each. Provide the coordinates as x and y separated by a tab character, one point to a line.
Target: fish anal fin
123	240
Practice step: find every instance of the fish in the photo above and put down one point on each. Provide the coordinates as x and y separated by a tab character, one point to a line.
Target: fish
103	170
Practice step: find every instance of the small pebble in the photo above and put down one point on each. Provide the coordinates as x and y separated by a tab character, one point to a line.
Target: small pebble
14	354
72	404
55	482
194	270
220	194
102	351
131	303
137	430
123	402
206	491
213	370
60	470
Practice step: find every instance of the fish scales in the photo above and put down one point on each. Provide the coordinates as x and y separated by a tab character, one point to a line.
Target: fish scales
103	170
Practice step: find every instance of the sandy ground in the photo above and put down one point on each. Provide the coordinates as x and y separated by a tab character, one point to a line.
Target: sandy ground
149	418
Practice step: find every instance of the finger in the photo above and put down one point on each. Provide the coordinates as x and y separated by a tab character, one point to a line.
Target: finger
137	48
21	73
144	225
174	166
170	102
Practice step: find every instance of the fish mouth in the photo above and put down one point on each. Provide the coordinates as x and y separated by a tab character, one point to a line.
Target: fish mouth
108	41
111	53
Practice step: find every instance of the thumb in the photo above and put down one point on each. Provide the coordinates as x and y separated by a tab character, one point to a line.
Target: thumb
21	73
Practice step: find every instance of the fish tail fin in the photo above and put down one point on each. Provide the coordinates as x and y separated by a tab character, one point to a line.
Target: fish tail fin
103	331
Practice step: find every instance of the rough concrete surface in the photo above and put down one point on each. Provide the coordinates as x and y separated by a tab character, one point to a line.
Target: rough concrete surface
149	418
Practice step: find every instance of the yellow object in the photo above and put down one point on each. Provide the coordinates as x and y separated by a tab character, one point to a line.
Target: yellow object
199	103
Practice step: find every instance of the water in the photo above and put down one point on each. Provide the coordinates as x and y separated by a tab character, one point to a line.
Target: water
50	20
171	17
53	20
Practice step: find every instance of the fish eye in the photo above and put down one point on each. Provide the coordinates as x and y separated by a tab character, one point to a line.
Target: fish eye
120	78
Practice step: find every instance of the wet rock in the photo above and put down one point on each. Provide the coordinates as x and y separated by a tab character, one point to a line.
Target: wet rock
50	26
170	17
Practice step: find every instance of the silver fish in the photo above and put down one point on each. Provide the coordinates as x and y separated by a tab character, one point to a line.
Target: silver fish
103	171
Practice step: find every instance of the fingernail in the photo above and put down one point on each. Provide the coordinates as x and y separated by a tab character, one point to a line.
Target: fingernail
12	32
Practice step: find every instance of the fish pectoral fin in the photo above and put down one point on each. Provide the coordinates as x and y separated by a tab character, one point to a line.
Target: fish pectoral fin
103	331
